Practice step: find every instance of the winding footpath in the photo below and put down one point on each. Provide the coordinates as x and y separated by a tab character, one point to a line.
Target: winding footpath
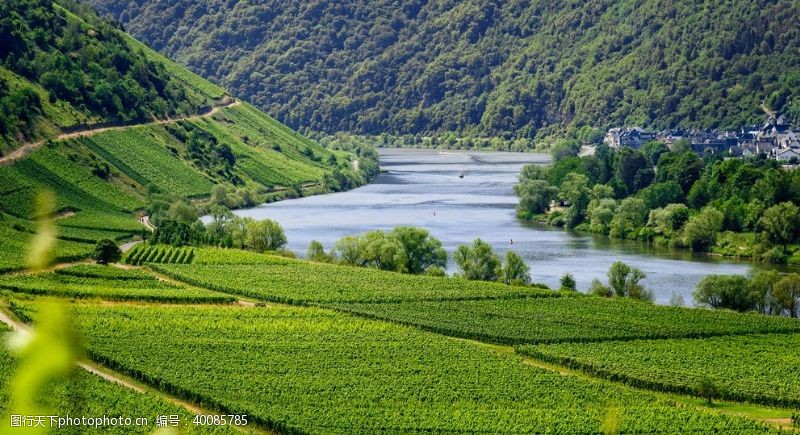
27	148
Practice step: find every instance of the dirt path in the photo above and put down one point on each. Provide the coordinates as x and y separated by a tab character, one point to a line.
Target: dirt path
27	148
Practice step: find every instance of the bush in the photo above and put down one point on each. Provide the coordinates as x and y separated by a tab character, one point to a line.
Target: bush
568	282
106	251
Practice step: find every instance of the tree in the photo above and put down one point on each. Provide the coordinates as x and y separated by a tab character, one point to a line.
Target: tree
660	194
598	289
701	231
707	389
316	252
348	250
781	223
106	251
514	270
477	262
625	281
761	289
786	294
630	215
653	150
725	291
265	235
419	249
182	212
567	282
575	190
633	170
534	197
683	168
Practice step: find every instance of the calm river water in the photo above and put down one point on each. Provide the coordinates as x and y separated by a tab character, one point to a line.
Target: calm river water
423	188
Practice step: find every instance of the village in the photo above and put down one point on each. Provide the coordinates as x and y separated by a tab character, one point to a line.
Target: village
775	138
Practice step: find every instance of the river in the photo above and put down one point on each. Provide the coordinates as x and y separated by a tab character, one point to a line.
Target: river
422	188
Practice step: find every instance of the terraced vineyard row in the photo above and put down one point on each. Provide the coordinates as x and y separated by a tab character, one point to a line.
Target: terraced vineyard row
96	282
577	318
752	368
315	371
300	282
146	253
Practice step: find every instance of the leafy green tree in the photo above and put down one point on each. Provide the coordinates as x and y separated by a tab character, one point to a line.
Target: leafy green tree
348	250
701	230
653	150
633	170
683	168
781	223
625	281
264	235
419	249
629	216
601	214
761	288
575	190
567	282
477	262
597	288
316	252
534	197
786	295
725	291
106	251
514	270
668	220
660	194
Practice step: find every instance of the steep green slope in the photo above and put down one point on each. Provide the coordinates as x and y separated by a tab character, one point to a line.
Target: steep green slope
110	126
489	68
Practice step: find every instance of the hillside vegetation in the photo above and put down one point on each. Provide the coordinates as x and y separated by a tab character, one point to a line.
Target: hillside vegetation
114	129
488	68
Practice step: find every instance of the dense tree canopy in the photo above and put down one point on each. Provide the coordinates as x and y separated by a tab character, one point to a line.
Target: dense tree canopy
486	67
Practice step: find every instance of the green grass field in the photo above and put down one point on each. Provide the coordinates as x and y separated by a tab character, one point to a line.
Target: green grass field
317	371
752	368
568	319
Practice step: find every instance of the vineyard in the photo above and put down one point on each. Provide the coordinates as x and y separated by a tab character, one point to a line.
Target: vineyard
311	370
86	394
104	282
145	253
568	319
14	247
299	282
752	368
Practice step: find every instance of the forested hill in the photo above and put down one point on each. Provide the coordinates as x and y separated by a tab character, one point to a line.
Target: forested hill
486	67
112	129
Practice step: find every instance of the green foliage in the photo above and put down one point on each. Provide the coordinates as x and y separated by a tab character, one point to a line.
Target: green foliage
781	223
316	252
106	251
624	281
447	386
477	262
749	368
487	68
701	230
514	271
404	249
568	282
786	295
721	291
